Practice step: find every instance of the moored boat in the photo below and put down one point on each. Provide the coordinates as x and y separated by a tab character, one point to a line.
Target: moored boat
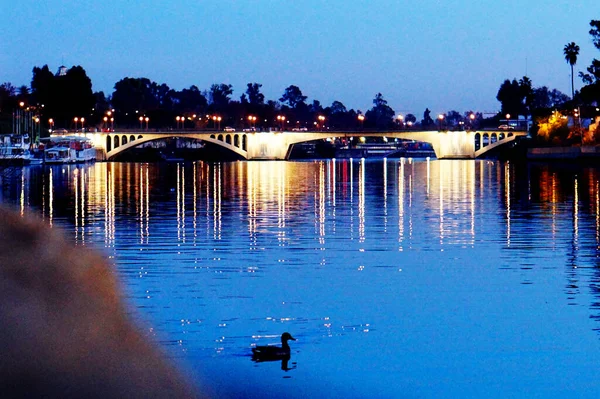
68	149
15	149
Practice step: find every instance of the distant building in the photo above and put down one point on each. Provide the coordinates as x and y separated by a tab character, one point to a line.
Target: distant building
62	71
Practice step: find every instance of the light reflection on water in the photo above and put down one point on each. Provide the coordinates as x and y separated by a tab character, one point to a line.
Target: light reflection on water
450	278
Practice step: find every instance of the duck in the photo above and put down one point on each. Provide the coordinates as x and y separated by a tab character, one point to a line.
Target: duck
271	352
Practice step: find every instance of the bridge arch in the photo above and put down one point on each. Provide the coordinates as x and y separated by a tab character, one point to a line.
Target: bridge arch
122	144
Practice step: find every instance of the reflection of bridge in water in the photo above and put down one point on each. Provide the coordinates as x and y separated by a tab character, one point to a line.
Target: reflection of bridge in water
278	145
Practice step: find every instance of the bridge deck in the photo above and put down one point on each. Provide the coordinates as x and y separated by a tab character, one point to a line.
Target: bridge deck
277	145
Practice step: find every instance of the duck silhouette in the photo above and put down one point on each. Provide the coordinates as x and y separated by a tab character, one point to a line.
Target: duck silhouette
271	352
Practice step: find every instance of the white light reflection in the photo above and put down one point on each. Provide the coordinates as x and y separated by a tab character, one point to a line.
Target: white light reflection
321	209
361	202
22	196
251	194
50	197
281	207
401	204
109	212
217	202
507	201
385	177
144	193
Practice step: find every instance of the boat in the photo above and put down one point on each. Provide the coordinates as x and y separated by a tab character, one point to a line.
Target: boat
15	149
68	149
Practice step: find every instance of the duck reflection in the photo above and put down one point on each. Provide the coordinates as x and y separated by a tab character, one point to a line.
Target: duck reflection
272	353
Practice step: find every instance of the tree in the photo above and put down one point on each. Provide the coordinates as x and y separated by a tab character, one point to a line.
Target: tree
410	118
316	107
255	97
526	88
337	108
293	97
591	92
381	115
43	86
571	51
219	96
8	98
516	97
132	94
190	101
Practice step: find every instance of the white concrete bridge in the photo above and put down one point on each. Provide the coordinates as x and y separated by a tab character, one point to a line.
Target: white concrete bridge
278	145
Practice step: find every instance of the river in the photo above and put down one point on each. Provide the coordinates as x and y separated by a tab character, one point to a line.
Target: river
398	278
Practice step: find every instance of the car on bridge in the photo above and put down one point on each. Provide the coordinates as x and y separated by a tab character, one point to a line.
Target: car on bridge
229	129
506	127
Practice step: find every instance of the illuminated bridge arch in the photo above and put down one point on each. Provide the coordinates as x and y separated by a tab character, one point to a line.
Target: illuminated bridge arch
121	143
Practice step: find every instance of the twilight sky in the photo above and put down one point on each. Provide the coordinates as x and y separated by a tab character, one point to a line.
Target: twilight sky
439	54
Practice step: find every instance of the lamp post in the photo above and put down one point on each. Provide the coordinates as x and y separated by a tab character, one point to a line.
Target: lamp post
76	119
147	120
361	119
112	124
400	119
141	118
281	119
472	119
252	120
51	124
177	119
508	120
217	120
82	128
321	119
441	119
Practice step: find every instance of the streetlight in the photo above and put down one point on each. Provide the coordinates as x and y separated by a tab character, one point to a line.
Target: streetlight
441	119
51	123
321	119
252	120
141	118
472	119
112	124
361	119
177	119
217	119
105	119
76	119
147	119
82	128
507	119
281	118
400	119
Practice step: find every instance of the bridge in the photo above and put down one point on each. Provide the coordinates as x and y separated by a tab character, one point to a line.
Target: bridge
278	145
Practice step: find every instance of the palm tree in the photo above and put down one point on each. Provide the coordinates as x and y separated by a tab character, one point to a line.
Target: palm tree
571	52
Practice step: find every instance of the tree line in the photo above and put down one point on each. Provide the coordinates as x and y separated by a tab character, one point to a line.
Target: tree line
68	94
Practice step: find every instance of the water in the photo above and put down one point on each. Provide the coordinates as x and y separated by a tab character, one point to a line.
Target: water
399	278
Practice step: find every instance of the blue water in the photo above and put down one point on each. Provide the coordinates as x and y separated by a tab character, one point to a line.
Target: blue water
399	278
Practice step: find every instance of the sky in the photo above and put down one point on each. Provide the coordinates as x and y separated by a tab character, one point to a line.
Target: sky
443	55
